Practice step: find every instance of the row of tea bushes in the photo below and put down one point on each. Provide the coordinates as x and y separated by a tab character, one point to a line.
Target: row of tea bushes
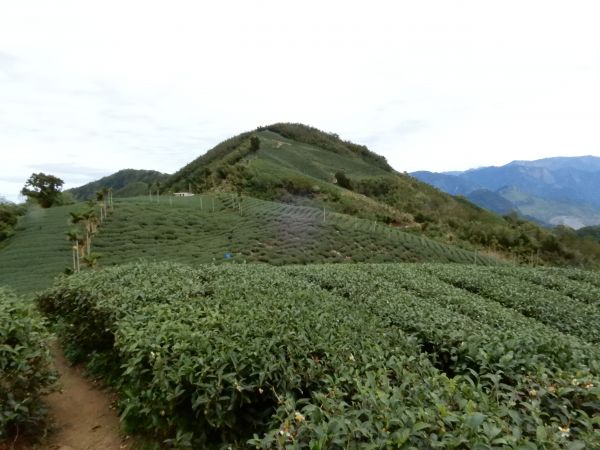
326	356
25	367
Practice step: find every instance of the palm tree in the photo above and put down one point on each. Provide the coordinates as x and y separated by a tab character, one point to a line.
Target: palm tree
110	199
91	260
77	245
89	221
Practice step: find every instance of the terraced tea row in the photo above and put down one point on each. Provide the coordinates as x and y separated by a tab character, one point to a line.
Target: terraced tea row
330	356
203	229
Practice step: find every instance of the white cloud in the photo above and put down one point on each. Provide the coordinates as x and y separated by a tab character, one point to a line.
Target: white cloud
431	84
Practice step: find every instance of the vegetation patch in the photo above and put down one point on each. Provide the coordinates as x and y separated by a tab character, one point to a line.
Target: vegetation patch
25	373
330	356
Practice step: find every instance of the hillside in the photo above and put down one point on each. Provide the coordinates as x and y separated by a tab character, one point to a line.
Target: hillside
38	251
124	183
591	232
300	165
552	190
204	229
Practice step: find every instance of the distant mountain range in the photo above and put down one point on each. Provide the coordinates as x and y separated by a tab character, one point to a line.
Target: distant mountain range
553	191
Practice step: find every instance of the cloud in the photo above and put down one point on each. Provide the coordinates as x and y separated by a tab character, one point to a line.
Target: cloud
430	85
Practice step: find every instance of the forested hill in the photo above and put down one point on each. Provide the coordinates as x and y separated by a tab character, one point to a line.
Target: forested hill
124	183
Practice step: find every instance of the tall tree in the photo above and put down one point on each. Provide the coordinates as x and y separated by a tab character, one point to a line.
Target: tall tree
44	189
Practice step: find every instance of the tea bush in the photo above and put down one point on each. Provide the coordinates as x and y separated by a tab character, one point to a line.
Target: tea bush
25	373
328	357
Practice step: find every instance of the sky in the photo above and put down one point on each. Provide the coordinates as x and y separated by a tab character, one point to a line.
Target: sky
90	87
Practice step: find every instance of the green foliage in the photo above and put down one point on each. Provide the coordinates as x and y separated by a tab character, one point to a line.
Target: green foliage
124	183
342	180
9	216
25	373
590	232
38	251
43	189
337	356
254	144
187	230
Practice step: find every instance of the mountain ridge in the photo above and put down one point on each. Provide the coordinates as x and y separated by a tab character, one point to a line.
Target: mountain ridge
560	190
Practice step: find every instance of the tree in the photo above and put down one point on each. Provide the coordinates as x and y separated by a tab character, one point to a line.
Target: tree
42	188
342	180
254	144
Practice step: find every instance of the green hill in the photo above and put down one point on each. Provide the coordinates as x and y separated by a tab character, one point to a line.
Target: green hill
203	229
591	232
124	183
298	164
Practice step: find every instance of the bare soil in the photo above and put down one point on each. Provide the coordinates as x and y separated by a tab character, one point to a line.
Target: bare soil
82	413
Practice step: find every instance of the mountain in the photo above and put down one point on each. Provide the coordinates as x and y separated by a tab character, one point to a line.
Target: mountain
449	183
583	163
492	201
124	183
303	167
563	190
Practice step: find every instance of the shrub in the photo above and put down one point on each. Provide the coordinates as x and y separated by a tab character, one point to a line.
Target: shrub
333	356
25	373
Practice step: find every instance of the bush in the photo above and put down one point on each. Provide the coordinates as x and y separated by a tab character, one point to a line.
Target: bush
25	373
329	357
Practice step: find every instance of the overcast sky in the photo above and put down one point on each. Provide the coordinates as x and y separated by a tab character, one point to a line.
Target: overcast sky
91	87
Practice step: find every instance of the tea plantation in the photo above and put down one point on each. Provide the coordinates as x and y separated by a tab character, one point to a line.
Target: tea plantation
203	229
25	373
341	356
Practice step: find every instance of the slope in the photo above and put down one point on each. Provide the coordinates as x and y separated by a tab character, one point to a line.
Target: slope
203	229
38	251
301	165
216	228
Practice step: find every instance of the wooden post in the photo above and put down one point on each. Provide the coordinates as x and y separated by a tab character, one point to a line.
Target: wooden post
323	215
201	208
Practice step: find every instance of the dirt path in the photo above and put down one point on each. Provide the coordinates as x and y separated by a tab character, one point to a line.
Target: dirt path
81	412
